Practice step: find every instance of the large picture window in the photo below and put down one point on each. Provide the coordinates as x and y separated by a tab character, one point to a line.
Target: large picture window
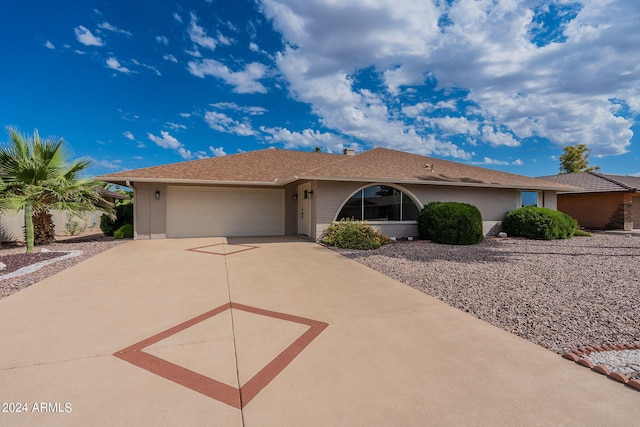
379	203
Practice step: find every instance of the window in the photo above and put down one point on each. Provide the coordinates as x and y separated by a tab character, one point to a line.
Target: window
379	203
529	198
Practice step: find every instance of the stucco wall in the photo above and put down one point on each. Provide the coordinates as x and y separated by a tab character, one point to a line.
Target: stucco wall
12	223
594	210
492	203
150	215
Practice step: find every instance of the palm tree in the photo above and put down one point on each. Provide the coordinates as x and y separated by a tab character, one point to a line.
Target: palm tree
35	176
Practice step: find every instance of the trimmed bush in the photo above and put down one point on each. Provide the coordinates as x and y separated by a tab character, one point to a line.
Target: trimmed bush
451	223
124	215
537	223
124	232
351	234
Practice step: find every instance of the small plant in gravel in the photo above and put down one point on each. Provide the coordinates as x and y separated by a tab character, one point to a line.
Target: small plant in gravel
581	233
450	223
124	232
538	223
351	234
72	226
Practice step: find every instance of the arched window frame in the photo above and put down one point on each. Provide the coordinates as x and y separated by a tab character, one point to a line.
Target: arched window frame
403	190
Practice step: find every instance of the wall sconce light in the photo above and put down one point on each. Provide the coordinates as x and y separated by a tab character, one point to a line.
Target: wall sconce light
295	197
311	194
157	194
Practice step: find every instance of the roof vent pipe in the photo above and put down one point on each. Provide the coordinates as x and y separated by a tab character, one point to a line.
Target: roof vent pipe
349	151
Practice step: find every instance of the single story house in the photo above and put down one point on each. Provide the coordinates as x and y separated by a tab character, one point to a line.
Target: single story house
284	192
605	202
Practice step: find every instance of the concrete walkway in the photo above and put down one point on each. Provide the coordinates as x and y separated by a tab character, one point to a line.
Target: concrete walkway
272	332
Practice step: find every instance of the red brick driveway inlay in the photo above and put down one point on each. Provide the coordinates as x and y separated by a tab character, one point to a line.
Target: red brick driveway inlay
238	398
223	249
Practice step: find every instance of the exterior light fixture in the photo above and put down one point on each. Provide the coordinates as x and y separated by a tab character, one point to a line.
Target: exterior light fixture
295	197
157	194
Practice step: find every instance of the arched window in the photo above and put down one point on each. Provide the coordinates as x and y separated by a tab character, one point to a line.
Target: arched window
379	203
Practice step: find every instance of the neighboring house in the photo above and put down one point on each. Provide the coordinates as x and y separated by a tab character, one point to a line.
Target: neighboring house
282	192
605	202
12	223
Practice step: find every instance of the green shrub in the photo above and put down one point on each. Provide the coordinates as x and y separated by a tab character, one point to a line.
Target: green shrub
124	215
582	233
451	223
72	226
350	234
537	223
124	232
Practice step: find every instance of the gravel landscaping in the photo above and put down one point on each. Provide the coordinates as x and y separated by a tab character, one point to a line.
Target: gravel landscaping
561	294
15	257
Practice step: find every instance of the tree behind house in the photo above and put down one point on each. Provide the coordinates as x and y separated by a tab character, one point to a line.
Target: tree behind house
576	159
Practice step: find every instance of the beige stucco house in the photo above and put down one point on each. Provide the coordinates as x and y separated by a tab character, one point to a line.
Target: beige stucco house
283	192
603	201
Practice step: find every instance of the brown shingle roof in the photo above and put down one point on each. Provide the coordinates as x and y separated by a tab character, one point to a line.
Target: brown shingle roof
594	182
279	167
383	164
264	166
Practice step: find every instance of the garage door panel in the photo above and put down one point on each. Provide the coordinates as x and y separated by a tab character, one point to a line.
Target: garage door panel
200	212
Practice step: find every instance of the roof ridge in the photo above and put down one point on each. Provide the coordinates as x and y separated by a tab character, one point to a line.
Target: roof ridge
339	159
610	179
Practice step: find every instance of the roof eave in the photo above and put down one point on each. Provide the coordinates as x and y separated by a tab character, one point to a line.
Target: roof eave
124	180
444	183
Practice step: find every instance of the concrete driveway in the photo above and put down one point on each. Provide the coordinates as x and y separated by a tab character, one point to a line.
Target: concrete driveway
271	332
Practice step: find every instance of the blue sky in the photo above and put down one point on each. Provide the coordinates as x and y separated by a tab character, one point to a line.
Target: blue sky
503	84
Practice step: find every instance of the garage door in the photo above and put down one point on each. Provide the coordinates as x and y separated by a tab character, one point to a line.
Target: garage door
201	212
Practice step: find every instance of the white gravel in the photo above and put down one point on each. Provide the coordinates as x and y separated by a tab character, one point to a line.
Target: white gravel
561	294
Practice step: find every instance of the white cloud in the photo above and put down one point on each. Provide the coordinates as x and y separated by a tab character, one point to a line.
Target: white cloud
162	40
175	126
251	110
199	36
148	67
185	115
223	123
114	64
455	125
129	135
84	36
562	91
495	162
109	27
165	140
217	152
177	17
497	138
170	57
245	81
106	164
49	45
308	138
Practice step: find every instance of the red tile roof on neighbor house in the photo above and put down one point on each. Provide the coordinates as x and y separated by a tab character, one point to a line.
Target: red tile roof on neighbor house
279	167
595	182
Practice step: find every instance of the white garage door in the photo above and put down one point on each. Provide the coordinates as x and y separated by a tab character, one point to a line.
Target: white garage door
201	212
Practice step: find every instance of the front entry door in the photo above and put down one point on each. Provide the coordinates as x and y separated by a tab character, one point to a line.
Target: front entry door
304	209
